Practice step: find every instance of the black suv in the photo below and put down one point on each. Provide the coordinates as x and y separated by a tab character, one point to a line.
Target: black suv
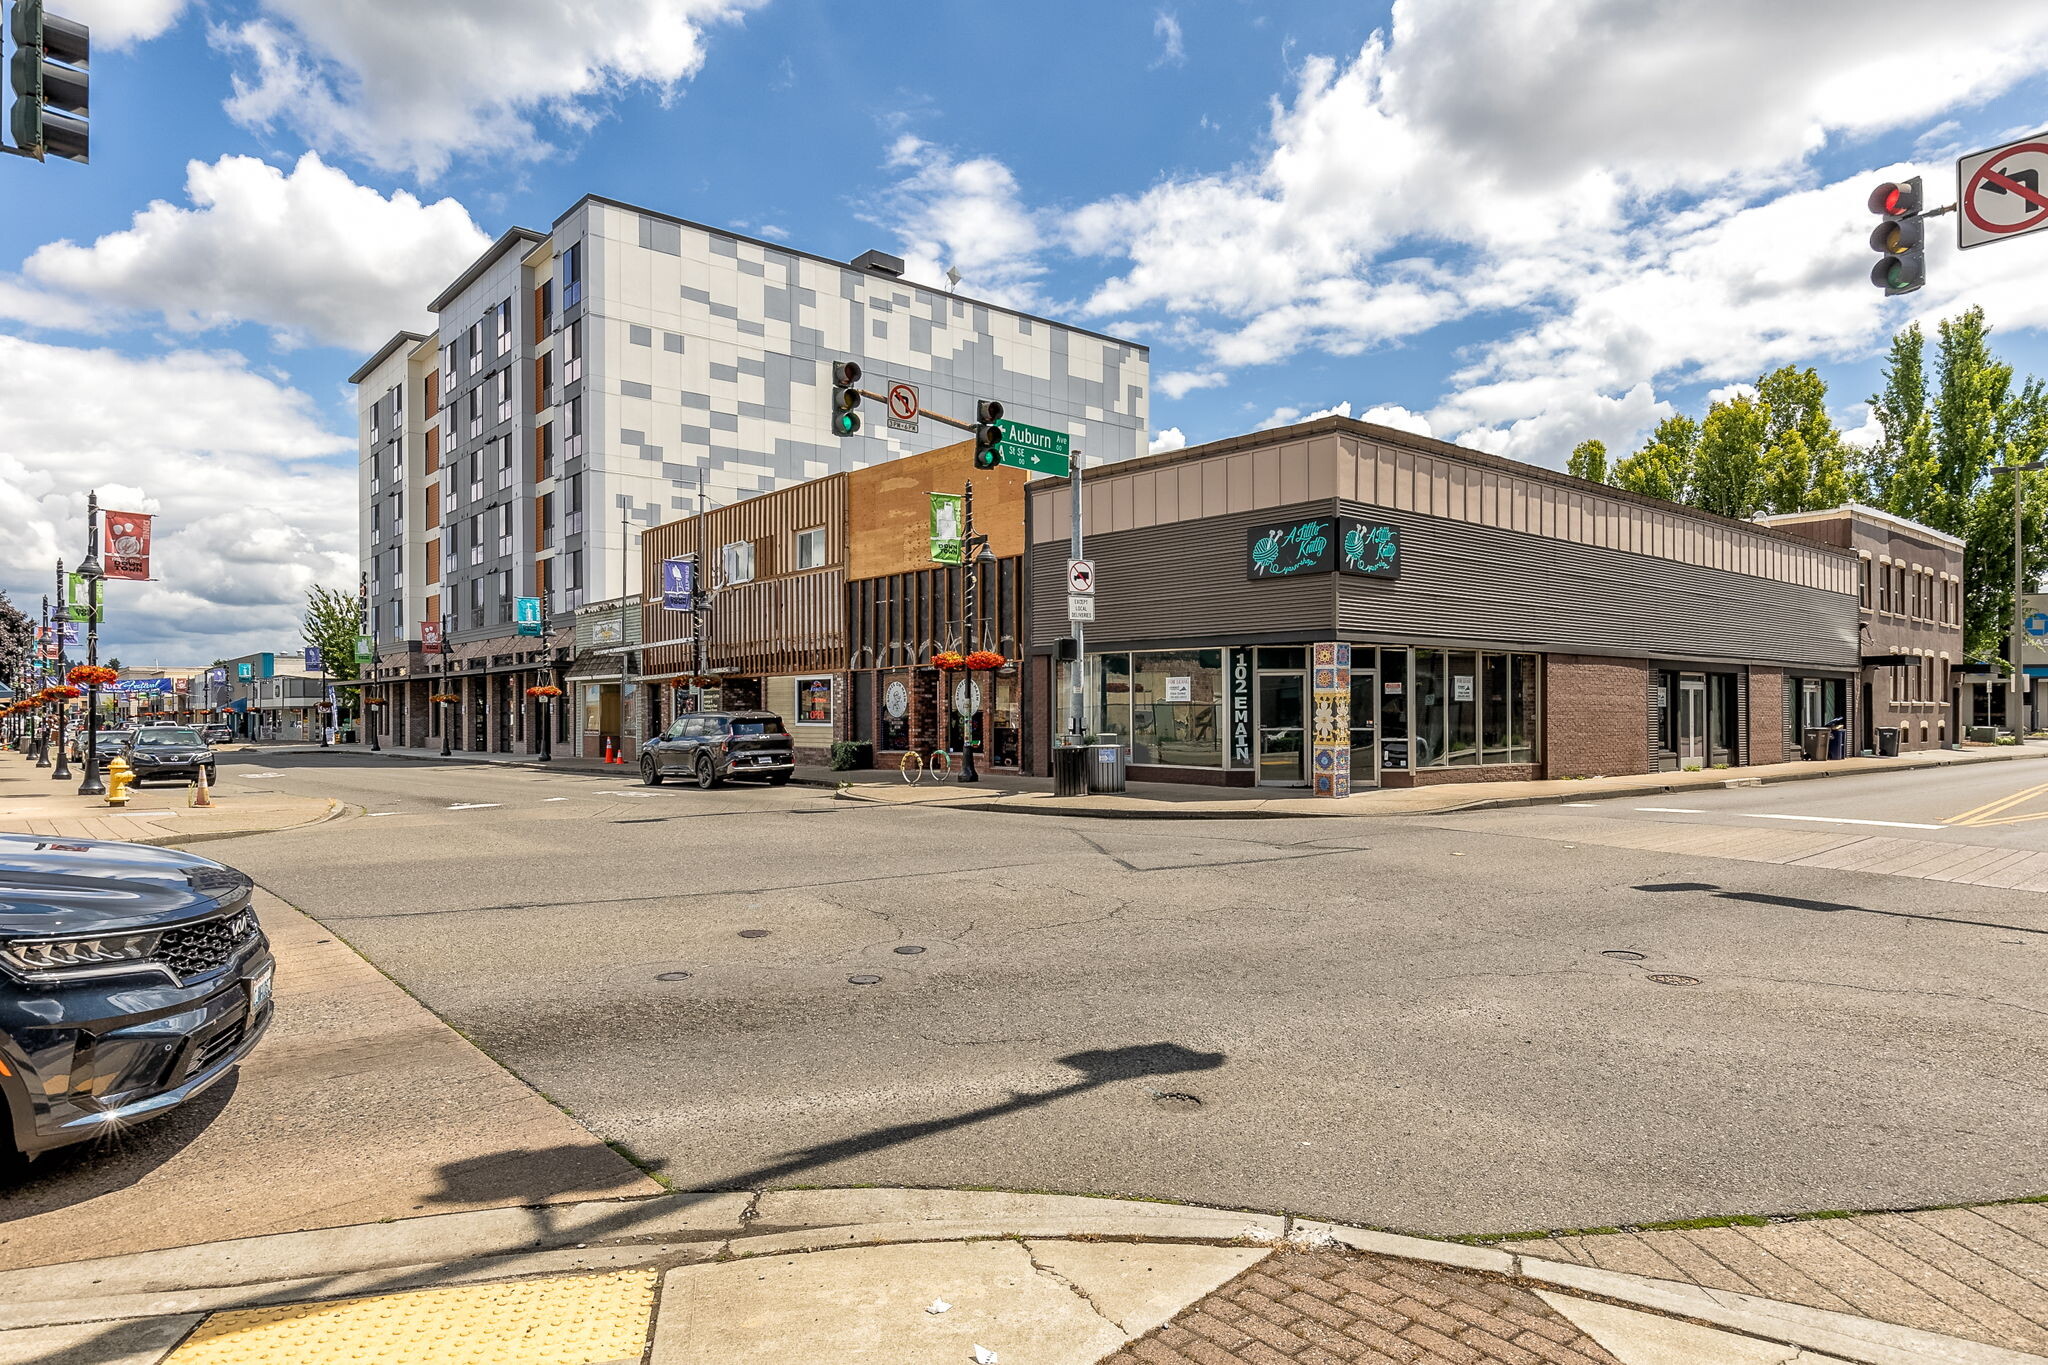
710	747
131	979
173	751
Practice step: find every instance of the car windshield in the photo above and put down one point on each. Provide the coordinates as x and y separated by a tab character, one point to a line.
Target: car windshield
758	725
168	739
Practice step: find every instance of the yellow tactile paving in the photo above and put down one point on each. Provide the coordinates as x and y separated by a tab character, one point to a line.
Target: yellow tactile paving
576	1320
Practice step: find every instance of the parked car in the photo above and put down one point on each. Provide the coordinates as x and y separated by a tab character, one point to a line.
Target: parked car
131	979
173	751
111	742
710	747
218	734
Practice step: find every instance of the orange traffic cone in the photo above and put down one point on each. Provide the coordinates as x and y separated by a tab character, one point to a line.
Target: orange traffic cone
199	791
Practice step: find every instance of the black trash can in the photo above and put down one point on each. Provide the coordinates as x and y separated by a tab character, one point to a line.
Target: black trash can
1838	742
1070	770
1888	741
1814	744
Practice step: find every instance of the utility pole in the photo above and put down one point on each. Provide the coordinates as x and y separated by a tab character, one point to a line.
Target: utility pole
1076	724
92	573
364	716
42	736
970	603
545	750
63	772
2015	706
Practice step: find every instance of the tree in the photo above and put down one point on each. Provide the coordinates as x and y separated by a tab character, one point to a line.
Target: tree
1663	468
1729	459
1589	461
1899	468
1803	465
332	624
17	640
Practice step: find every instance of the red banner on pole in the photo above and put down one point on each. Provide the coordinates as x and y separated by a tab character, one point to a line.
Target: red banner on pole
430	637
127	544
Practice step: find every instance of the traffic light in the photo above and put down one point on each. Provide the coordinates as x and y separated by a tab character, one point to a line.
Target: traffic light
1900	240
845	398
51	87
987	434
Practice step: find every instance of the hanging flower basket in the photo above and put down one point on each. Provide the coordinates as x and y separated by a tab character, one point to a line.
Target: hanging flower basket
63	693
985	661
92	675
545	692
444	696
949	661
375	701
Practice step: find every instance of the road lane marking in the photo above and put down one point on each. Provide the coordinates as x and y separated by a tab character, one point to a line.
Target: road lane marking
1840	820
1579	803
1669	810
475	805
1983	813
554	798
375	813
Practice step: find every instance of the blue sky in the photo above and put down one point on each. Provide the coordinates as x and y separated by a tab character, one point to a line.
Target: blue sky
1516	226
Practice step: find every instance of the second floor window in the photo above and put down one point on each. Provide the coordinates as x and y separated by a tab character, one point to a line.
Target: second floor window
737	561
810	548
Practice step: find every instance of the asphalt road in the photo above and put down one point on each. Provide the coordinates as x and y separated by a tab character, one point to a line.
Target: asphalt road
1447	1027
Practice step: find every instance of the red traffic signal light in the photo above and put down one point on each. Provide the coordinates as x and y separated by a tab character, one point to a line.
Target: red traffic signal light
1901	239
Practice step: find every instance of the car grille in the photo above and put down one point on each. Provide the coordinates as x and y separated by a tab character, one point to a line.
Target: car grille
195	949
218	1046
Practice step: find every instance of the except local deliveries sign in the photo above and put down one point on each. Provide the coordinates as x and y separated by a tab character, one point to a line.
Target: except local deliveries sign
1317	545
1038	449
679	584
2003	192
526	615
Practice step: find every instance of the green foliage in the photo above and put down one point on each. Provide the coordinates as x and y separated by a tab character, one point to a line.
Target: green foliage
1663	468
333	621
17	639
848	754
1589	461
1727	470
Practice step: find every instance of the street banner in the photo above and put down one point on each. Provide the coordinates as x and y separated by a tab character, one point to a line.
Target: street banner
526	615
948	514
142	686
128	535
77	597
679	584
313	660
366	650
430	637
217	676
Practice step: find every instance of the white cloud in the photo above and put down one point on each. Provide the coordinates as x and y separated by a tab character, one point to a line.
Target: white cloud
966	215
1166	28
1180	383
254	497
1287	417
1395	416
309	253
410	87
117	23
1172	438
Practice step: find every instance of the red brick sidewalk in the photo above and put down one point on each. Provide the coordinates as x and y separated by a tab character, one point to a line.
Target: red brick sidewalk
1327	1307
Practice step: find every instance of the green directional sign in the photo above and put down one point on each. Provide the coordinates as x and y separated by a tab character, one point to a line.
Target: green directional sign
1035	448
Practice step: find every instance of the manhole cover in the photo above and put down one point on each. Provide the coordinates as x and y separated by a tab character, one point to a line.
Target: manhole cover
671	976
753	933
1672	979
863	980
909	950
1176	1101
1623	955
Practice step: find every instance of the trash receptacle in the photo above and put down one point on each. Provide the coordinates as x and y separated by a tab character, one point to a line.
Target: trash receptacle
1815	745
1888	741
1070	770
1107	767
1838	742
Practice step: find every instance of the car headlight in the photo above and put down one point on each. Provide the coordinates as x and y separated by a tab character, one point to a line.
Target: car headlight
54	959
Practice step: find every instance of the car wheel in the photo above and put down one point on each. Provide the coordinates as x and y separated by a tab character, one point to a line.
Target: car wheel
649	773
778	779
212	776
707	773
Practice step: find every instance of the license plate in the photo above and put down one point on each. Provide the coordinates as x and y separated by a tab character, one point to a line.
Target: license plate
259	991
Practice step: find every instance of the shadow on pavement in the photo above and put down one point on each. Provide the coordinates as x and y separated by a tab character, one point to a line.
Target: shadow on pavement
1828	907
87	1170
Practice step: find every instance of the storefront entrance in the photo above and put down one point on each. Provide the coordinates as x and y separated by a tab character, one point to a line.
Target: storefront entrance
1282	729
1692	721
1365	704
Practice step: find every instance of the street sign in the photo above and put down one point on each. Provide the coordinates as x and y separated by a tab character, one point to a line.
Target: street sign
679	584
2002	193
903	407
1035	448
526	615
1080	608
1081	577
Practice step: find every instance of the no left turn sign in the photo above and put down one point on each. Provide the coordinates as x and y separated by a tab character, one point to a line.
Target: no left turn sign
2002	193
903	407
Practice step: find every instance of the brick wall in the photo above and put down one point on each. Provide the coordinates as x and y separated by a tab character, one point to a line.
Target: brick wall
1596	715
1766	715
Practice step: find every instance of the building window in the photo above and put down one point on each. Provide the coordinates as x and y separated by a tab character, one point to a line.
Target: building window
505	528
506	475
572	438
476	347
810	548
572	352
544	307
476	539
505	394
544	518
1472	709
1863	581
1899	589
501	586
502	327
572	511
476	413
544	448
813	701
572	275
1175	698
737	561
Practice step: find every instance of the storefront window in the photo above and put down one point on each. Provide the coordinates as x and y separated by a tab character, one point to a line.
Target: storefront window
1522	708
1175	708
1431	708
813	701
1112	695
1469	708
1493	716
593	707
896	712
1394	708
1464	710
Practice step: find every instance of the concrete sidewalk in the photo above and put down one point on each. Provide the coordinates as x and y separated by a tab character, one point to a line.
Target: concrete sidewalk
907	1277
31	802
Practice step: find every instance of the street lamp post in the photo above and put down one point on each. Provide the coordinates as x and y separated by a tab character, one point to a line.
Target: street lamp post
2015	707
365	714
43	669
93	574
63	770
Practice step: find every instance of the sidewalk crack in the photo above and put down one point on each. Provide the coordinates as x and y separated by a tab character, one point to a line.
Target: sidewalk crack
1079	1292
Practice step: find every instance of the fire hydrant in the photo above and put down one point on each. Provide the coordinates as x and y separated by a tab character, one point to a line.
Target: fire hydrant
120	777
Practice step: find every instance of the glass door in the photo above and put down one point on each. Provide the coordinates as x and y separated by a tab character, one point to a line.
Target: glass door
1692	720
1365	702
1282	710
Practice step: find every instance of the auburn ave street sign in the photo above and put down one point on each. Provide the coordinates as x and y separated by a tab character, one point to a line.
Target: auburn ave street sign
1035	448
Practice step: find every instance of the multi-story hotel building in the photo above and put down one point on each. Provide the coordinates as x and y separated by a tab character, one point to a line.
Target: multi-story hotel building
626	368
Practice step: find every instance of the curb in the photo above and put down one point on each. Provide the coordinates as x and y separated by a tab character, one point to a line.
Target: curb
668	1231
552	766
335	810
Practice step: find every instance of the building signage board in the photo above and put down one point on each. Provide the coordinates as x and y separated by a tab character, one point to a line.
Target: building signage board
143	686
217	676
1180	689
1038	449
1369	549
245	671
2002	193
1290	549
607	632
679	583
526	615
1240	708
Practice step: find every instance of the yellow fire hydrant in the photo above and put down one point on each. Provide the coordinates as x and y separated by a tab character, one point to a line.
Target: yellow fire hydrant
120	777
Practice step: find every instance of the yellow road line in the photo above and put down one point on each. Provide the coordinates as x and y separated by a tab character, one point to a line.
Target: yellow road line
1990	808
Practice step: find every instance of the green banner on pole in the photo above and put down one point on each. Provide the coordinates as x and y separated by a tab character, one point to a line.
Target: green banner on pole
78	596
365	650
948	514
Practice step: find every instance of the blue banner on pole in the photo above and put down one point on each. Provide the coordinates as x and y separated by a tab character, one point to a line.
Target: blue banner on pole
679	584
313	662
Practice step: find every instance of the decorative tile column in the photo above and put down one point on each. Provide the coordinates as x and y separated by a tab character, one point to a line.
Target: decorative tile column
1330	720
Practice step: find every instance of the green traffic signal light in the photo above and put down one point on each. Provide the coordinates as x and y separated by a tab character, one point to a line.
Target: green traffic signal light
846	423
